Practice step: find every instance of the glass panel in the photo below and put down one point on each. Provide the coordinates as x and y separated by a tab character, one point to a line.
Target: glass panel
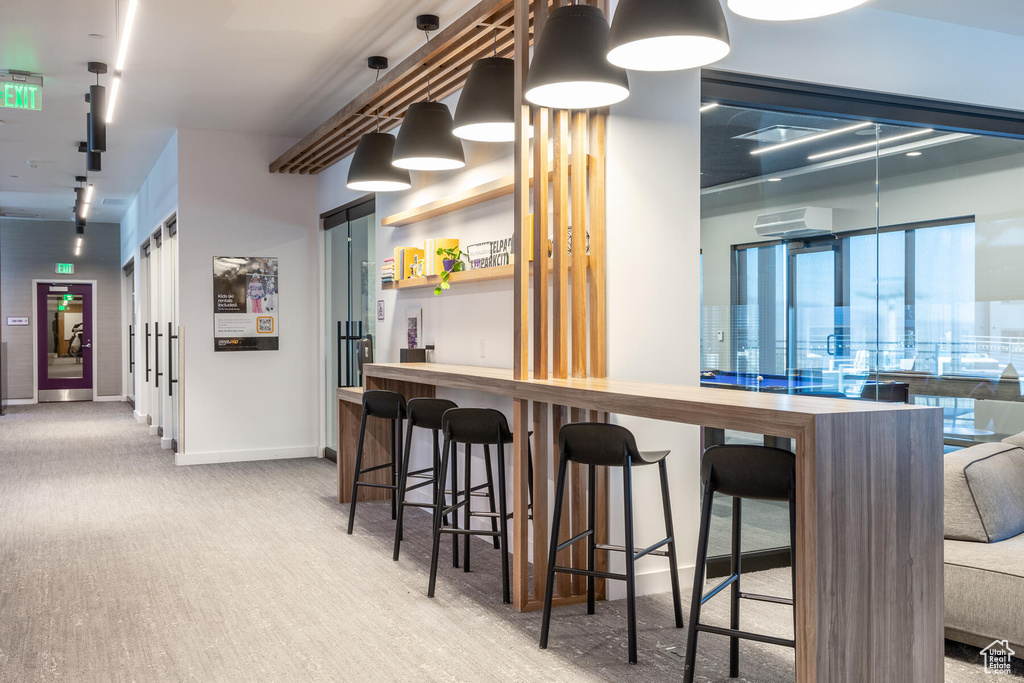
64	344
362	280
814	310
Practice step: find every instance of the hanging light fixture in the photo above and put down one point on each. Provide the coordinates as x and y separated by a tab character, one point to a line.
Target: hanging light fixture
93	163
486	109
97	100
570	69
425	140
667	35
790	10
371	169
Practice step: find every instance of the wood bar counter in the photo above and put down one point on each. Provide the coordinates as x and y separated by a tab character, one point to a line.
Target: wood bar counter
869	508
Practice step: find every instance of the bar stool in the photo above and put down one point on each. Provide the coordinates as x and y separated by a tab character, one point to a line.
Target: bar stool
424	413
472	426
598	444
752	472
385	405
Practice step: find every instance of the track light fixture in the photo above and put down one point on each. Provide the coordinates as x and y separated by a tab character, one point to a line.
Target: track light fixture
97	100
425	140
372	169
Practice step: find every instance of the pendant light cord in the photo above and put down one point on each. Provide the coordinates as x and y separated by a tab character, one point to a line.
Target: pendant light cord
427	34
495	42
378	108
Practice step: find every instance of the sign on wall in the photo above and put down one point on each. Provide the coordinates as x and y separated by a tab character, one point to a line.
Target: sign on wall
21	91
64	268
245	303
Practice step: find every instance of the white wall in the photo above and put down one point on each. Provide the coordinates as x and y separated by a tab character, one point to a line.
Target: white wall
246	405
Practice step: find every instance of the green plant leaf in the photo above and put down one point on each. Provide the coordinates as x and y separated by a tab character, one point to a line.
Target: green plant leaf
437	291
445	285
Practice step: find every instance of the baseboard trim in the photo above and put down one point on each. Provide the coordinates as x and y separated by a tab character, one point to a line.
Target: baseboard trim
140	417
20	401
751	561
166	443
117	398
154	430
213	457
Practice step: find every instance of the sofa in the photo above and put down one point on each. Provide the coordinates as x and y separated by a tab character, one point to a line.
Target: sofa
984	546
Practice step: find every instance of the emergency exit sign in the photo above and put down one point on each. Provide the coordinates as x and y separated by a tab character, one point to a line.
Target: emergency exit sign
21	91
64	269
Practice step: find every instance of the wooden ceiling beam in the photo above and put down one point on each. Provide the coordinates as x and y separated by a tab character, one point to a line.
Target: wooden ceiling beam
447	57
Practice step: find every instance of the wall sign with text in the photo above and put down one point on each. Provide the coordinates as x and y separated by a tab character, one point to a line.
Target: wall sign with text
245	303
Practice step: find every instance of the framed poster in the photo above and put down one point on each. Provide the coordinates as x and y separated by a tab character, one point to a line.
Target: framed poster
245	303
413	327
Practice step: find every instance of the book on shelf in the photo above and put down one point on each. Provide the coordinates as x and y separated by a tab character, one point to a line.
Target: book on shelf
435	263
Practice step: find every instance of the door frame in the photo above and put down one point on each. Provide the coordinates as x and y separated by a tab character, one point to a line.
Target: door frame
95	328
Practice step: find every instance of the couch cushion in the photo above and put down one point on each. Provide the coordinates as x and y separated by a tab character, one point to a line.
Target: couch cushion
984	590
1015	440
984	493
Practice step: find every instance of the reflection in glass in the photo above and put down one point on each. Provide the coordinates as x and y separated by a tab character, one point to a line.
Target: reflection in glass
64	343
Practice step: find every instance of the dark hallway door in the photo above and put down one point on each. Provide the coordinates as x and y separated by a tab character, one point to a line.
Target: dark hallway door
64	342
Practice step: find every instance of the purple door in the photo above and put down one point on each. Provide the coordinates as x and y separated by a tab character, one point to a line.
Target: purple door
65	341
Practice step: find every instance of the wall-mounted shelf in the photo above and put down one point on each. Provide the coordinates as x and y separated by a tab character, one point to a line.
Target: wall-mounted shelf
500	187
479	275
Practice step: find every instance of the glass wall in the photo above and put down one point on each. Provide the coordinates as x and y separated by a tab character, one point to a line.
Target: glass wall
853	259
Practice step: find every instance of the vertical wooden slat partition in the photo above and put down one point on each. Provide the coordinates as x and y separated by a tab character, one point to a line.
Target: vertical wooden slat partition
575	337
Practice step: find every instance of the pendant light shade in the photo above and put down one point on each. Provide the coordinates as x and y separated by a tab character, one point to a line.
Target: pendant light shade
486	109
570	69
372	170
98	124
425	140
667	35
789	10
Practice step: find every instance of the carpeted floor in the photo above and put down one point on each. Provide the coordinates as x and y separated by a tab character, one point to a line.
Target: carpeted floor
115	565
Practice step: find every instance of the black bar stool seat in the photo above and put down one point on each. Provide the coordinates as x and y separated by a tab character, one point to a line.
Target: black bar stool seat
474	426
755	473
607	445
425	413
384	405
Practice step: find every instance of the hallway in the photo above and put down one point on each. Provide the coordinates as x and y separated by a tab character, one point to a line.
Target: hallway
115	565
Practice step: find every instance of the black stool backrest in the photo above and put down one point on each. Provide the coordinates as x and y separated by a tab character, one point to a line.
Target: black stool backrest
386	404
757	472
427	412
476	426
597	443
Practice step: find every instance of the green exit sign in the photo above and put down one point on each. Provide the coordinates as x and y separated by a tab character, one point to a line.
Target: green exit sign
62	308
20	90
64	269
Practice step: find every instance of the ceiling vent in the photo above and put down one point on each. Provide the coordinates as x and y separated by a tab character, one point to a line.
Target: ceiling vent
773	135
110	201
804	222
11	213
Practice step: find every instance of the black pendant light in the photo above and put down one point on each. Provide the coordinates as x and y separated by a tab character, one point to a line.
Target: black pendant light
487	107
667	35
98	109
789	10
570	69
425	140
371	169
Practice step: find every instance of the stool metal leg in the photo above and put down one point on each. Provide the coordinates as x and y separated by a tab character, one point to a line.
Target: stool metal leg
698	584
467	519
490	494
438	478
355	475
670	533
592	539
734	589
403	482
436	546
627	498
549	589
455	513
506	594
394	474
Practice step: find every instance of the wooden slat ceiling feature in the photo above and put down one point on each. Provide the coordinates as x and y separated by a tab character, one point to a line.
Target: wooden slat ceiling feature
447	58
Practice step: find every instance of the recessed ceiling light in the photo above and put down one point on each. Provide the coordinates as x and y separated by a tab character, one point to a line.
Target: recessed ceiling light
774	180
913	154
96	36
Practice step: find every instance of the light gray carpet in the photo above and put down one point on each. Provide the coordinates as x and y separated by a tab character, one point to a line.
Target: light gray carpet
117	566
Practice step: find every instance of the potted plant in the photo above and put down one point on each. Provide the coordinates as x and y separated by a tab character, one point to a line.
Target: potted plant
452	263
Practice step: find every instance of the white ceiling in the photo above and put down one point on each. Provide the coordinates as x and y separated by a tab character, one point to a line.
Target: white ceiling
262	66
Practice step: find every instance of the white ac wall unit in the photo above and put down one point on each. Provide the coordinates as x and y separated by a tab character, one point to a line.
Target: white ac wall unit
803	222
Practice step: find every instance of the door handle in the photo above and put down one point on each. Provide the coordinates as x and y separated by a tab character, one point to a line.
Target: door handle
87	345
156	356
